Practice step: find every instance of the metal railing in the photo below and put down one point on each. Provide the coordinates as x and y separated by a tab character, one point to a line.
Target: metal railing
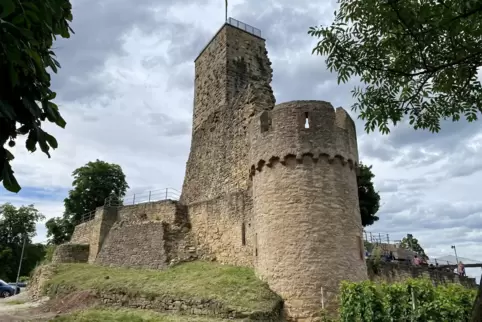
244	26
88	216
143	197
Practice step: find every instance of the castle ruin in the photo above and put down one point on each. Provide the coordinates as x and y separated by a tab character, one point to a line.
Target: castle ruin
272	187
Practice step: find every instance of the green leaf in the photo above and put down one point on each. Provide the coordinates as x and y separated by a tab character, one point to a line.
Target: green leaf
9	181
32	141
6	110
8	6
51	140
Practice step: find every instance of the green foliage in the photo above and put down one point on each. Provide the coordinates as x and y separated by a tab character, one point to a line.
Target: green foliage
417	59
130	315
15	224
27	31
235	287
412	243
369	199
416	300
92	184
49	253
24	279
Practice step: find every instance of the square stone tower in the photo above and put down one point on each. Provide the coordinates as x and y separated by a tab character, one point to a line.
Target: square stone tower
232	84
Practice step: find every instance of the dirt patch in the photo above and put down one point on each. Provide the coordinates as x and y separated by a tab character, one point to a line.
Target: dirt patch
73	301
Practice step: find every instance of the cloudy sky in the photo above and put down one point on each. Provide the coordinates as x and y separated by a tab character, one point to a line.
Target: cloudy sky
126	91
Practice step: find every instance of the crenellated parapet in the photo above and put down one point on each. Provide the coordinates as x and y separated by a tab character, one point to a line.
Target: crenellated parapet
302	129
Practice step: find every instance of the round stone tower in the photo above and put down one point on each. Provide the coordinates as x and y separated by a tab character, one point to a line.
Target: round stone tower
303	157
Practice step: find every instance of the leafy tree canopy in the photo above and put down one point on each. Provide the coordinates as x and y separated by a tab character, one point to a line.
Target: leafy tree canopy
369	199
27	31
417	58
412	243
92	184
15	225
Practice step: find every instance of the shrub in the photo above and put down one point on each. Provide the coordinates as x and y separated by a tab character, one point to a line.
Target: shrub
416	300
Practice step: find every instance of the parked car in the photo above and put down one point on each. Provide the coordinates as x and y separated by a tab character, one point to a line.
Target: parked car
7	290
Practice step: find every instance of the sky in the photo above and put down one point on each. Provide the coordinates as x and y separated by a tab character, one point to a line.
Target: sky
126	91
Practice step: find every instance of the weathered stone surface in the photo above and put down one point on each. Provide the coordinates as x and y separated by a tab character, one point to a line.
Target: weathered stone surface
218	226
71	253
134	244
168	211
398	272
81	234
306	211
232	83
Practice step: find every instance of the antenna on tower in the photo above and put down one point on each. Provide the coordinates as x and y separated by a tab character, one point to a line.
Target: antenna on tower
226	10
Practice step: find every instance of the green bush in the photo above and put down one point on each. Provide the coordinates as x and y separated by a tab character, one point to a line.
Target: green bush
416	300
23	279
49	252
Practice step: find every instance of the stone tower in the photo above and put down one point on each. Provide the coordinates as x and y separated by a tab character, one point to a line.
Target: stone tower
307	220
232	84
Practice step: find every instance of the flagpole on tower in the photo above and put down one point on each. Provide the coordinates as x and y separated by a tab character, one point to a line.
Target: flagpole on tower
226	10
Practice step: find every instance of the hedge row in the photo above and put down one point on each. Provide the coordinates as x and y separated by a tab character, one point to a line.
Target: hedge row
415	300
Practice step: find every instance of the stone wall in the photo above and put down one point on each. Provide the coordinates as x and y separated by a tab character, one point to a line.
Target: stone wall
152	235
134	244
396	272
223	228
71	253
305	203
169	211
105	217
232	84
82	232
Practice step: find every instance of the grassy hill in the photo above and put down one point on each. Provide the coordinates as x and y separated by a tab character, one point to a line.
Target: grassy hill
199	289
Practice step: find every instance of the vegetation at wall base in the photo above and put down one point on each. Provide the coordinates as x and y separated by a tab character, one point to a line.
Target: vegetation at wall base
415	300
234	287
129	315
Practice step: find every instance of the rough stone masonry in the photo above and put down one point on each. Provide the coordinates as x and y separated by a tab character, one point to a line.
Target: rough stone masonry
267	186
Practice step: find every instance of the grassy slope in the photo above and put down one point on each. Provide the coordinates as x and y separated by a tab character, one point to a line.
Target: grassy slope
128	315
235	287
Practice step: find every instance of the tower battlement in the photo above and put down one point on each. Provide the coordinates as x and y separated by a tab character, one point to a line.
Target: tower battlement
299	129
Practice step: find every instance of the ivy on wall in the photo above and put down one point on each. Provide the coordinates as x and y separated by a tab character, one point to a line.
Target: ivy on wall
415	300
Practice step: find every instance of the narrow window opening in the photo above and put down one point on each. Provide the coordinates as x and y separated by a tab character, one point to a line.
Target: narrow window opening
307	121
256	245
361	247
243	234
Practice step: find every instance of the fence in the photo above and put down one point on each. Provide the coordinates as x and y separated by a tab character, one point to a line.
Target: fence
87	216
143	197
245	27
383	238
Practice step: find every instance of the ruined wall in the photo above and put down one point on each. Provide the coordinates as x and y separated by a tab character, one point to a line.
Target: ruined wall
104	218
232	83
394	272
169	211
223	228
134	244
71	253
305	203
81	234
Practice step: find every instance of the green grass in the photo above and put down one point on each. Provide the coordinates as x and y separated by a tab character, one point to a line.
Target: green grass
235	287
14	302
128	315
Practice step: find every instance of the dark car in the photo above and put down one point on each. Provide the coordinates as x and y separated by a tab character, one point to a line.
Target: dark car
8	290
